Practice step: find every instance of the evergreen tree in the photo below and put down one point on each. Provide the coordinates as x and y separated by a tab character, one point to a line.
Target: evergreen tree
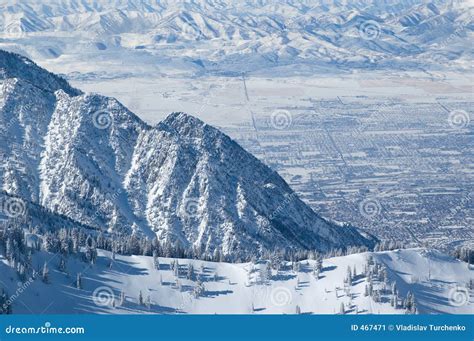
371	287
148	302
268	272
156	261
394	288
191	275
409	303
48	243
91	251
62	264
342	310
45	273
199	289
79	281
122	298
176	268
349	275
5	304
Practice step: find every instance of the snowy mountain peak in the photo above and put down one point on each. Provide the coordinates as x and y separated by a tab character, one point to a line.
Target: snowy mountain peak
181	118
13	65
187	183
184	124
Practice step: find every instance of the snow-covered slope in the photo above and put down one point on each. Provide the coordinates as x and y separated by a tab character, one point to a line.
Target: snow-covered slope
220	194
226	35
26	105
89	158
25	213
438	283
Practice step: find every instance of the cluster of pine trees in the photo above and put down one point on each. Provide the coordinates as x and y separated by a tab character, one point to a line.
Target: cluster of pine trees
17	245
5	304
464	253
70	240
379	288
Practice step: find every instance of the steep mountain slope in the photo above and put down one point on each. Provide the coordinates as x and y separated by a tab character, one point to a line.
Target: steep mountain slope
81	171
26	105
239	288
16	211
87	157
19	67
234	200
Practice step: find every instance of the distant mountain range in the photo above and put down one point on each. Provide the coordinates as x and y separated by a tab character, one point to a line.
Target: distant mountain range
242	36
88	159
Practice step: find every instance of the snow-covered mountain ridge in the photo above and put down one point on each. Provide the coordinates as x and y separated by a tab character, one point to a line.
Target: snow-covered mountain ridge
228	36
89	158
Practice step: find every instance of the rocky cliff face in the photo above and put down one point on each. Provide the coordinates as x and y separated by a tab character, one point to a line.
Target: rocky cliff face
89	158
